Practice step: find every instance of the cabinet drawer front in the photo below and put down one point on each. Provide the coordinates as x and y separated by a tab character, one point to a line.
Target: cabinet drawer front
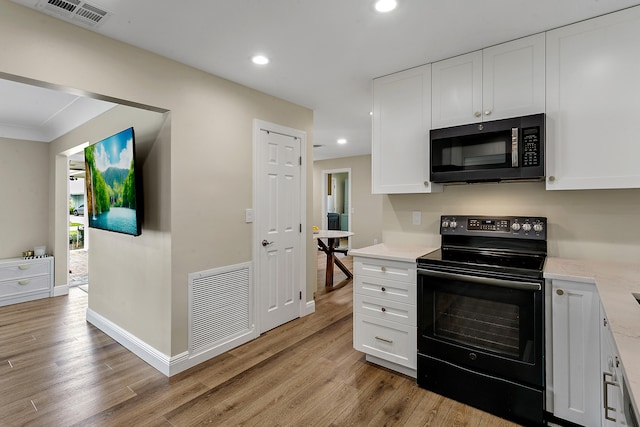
27	284
387	340
390	290
384	269
385	309
23	269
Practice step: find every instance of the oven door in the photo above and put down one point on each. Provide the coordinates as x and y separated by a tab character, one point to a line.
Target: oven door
490	325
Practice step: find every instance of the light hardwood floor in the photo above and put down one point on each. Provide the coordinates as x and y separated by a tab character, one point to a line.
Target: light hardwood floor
58	370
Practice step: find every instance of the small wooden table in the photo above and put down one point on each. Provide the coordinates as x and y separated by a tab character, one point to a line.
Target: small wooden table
333	237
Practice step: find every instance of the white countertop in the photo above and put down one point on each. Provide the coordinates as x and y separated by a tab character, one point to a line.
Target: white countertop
331	234
392	252
615	283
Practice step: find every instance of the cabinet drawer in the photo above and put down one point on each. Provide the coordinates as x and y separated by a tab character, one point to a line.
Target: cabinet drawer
390	290
24	285
385	309
19	270
385	269
387	340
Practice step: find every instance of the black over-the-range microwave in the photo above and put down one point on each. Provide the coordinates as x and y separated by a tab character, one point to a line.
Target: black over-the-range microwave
499	150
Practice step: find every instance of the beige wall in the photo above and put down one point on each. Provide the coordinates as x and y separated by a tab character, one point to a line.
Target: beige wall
366	219
582	224
211	153
24	195
137	293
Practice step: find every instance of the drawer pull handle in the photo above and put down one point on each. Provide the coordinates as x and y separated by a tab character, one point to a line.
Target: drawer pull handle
383	268
383	289
384	340
24	267
560	292
383	309
23	282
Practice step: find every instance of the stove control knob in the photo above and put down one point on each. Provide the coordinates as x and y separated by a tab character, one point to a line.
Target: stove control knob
453	224
537	228
515	226
445	224
526	227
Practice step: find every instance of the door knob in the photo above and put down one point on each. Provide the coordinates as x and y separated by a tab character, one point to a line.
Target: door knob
265	242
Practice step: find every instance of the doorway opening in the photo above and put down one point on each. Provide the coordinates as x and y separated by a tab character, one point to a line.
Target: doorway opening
336	202
78	236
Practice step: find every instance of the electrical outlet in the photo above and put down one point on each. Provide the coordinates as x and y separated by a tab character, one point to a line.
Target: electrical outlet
417	217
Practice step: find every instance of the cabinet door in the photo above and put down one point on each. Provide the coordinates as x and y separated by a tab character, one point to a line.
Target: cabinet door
401	124
611	377
592	103
457	90
513	82
576	352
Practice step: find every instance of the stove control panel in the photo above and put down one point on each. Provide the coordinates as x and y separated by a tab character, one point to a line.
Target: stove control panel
502	226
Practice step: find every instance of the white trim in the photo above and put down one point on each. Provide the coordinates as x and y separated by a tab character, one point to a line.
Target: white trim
391	365
60	290
146	352
167	365
264	125
325	190
310	308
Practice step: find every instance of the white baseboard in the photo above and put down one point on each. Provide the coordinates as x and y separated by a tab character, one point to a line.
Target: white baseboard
168	365
60	290
391	365
146	352
310	308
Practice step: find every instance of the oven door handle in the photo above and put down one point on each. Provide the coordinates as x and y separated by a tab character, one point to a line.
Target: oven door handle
525	286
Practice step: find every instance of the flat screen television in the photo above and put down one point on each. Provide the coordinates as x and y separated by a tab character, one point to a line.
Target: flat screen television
114	196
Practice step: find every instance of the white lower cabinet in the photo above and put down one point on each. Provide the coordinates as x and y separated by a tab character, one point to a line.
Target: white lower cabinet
586	383
576	352
612	377
25	279
385	314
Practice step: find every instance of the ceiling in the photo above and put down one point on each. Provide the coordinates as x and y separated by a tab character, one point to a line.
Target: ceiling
323	54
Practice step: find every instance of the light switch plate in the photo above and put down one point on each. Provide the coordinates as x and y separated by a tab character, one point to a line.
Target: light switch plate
248	215
417	217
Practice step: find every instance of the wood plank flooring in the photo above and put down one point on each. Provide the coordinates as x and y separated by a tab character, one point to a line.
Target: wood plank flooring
58	370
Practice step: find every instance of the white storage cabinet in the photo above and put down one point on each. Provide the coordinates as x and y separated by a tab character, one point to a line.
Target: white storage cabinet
502	81
25	279
385	314
576	352
593	131
400	133
587	381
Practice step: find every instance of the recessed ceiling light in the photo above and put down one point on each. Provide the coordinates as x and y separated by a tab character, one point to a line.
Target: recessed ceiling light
260	60
385	5
342	141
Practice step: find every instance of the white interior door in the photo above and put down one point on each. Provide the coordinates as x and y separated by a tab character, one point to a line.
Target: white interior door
278	228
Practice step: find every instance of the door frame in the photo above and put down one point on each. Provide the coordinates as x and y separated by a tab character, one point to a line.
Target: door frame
259	125
325	190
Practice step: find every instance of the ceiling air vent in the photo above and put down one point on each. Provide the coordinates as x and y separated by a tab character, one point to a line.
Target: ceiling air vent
75	11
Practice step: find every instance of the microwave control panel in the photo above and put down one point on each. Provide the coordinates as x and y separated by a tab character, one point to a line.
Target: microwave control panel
531	147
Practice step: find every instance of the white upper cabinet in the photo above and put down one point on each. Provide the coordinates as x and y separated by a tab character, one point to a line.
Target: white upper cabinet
506	80
457	90
401	124
593	102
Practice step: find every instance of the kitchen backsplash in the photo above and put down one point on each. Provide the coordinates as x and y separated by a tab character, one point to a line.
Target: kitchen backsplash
581	224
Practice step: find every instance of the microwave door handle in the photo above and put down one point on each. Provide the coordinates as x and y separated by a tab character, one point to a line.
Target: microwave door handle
514	147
